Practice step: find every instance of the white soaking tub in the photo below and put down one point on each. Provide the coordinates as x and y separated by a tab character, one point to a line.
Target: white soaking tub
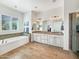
9	44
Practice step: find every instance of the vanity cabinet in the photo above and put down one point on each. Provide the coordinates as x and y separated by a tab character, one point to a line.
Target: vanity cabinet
44	38
55	40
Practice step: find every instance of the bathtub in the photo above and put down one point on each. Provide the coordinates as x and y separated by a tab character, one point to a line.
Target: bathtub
9	44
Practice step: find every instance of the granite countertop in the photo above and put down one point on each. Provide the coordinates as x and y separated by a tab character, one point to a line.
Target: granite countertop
51	33
5	36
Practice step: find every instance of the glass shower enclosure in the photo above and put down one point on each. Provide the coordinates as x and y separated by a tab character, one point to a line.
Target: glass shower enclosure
74	31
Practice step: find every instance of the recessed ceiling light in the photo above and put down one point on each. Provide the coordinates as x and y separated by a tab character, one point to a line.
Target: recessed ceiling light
53	0
35	7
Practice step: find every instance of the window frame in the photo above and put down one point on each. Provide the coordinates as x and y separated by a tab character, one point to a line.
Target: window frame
11	18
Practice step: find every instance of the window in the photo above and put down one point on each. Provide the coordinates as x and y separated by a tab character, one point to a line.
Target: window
26	30
9	23
26	23
14	23
5	22
26	26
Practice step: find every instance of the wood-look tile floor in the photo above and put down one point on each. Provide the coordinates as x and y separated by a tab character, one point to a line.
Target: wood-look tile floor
38	51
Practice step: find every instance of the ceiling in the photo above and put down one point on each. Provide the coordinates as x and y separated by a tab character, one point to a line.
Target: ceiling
35	5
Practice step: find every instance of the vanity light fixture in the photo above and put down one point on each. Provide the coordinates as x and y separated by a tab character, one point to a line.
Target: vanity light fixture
77	15
34	22
15	6
55	18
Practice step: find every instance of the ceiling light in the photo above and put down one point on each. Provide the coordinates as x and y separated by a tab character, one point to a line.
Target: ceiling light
36	7
77	15
53	1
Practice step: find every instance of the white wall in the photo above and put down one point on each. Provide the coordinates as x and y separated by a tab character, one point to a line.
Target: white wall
35	14
52	12
8	11
69	6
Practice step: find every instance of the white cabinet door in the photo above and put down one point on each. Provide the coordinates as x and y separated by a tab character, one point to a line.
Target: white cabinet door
48	39
52	40
57	38
35	37
45	38
61	41
32	37
58	41
55	41
38	38
42	38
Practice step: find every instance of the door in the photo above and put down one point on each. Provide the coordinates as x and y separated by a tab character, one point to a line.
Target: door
77	31
73	34
70	31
